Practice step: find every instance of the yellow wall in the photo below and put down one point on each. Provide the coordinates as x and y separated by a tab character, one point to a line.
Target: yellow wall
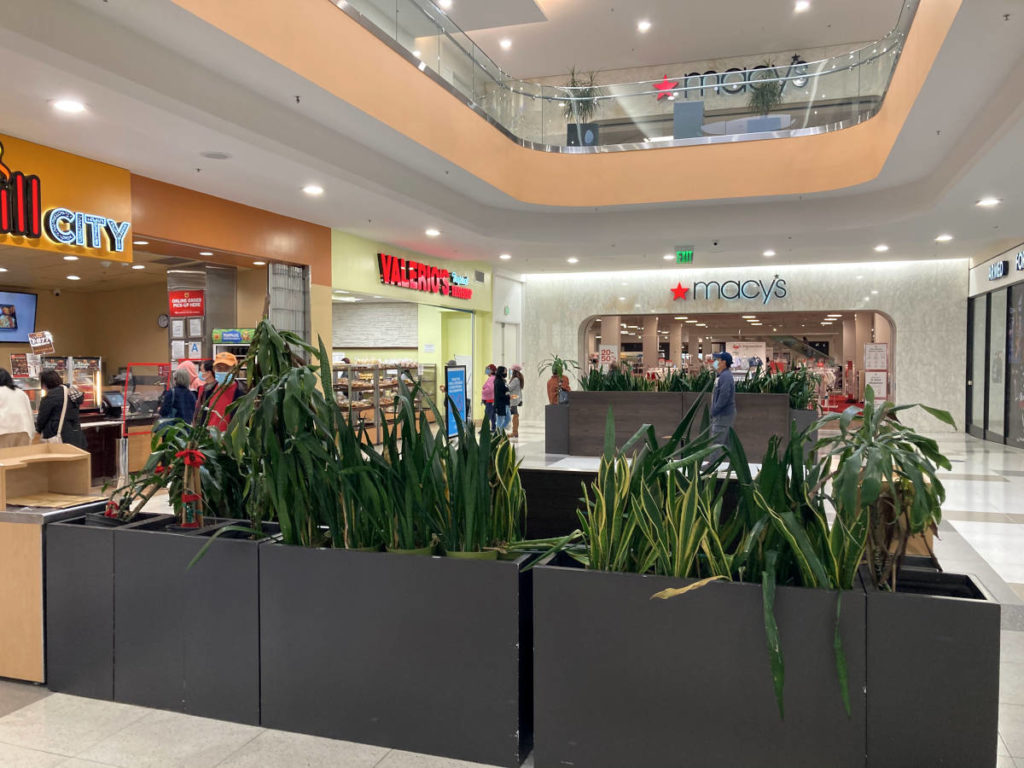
65	316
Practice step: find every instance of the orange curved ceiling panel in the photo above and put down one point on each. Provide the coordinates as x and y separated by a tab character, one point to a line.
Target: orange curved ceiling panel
323	45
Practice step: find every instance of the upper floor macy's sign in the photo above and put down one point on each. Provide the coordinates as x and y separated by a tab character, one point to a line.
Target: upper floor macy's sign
422	277
21	215
733	290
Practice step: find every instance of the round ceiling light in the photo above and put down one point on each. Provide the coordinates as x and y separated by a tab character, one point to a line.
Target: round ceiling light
881	248
74	277
432	232
313	190
643	25
988	202
69	106
138	266
206	253
943	238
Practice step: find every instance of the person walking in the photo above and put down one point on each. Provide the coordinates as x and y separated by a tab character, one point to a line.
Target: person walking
515	393
179	402
17	422
487	394
58	420
723	401
502	401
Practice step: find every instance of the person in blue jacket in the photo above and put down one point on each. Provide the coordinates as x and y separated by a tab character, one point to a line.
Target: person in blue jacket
179	402
723	400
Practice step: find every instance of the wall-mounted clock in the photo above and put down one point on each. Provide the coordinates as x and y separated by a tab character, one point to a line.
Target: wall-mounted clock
163	320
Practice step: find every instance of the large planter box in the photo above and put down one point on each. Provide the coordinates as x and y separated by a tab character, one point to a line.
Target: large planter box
588	412
622	679
933	673
552	500
416	653
556	428
187	639
80	607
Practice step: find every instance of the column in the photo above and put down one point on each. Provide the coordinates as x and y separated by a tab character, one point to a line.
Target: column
675	342
650	341
863	323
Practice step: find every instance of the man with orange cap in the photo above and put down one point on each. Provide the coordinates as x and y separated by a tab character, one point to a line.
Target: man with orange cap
216	397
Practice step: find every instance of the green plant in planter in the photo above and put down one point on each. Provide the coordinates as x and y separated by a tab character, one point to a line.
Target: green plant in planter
886	470
583	97
799	383
556	365
765	90
683	381
616	380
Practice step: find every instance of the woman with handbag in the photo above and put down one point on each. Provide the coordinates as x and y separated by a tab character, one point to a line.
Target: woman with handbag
515	393
57	420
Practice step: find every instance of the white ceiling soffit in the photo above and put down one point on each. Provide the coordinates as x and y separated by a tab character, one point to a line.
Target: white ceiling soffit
603	34
173	87
472	15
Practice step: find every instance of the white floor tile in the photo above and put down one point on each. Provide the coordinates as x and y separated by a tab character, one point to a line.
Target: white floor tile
23	757
66	725
277	749
172	740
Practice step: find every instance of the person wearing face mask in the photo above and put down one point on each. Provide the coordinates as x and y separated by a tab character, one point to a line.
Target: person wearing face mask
216	397
723	401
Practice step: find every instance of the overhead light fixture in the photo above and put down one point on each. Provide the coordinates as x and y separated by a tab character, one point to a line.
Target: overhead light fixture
943	238
69	106
573	260
74	277
417	54
206	253
874	293
643	25
259	263
622	298
70	258
867	298
881	248
505	44
988	202
446	4
801	6
505	256
3	269
749	317
313	190
681	318
693	321
860	277
140	242
668	256
422	66
432	232
769	253
138	266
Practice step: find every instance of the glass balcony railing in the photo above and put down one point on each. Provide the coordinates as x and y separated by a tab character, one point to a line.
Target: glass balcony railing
732	103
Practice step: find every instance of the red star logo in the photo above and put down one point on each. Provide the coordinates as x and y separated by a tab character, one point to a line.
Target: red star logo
678	292
665	88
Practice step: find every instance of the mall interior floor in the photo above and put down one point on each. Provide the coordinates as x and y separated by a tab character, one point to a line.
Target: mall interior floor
982	534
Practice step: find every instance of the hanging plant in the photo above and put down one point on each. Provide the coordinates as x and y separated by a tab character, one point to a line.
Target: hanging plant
765	89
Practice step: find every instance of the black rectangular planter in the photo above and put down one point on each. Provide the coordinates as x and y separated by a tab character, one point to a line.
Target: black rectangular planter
552	498
80	607
416	653
933	673
622	679
588	414
187	639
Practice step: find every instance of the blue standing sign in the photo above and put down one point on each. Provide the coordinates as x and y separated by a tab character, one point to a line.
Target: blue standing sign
455	388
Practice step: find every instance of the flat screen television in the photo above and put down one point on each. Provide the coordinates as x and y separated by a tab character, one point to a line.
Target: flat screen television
17	317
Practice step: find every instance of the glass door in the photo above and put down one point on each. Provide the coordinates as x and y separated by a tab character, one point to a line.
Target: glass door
995	428
1015	396
977	337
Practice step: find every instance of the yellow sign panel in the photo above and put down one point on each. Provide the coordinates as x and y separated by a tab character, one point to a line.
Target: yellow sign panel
58	202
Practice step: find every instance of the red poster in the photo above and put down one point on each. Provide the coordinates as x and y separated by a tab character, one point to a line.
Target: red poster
186	303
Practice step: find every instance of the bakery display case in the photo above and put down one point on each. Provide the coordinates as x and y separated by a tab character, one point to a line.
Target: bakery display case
367	391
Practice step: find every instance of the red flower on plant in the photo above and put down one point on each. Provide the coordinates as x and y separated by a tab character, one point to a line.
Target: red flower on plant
112	509
192	458
160	469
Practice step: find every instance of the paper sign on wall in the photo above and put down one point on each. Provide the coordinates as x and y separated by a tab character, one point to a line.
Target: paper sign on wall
876	357
41	343
878	381
607	354
186	303
195	350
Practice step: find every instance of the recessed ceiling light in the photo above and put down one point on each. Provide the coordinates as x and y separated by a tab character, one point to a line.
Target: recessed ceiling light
573	260
431	232
881	248
214	155
505	44
505	256
643	25
769	253
874	293
749	317
693	321
140	242
446	4
138	266
622	298
668	257
3	269
69	106
70	258
681	318
867	298
74	277
802	5
860	277
988	202
259	263
943	238
313	190
417	54
206	253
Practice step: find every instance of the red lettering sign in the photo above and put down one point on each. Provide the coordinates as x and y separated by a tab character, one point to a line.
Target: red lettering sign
186	303
420	277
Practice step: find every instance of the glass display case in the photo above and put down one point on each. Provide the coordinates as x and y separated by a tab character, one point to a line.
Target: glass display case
368	391
84	373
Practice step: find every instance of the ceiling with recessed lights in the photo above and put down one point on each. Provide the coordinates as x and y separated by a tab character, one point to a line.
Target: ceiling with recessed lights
775	324
604	34
135	66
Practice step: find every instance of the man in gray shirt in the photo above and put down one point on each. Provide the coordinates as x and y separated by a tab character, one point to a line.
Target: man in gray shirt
723	400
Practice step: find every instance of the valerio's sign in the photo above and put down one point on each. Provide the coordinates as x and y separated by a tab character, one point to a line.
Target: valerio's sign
48	199
422	277
733	290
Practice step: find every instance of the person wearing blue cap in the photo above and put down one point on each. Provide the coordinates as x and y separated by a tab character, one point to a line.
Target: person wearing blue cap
723	400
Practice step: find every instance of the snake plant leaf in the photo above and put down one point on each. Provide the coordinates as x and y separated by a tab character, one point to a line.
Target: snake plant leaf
842	668
771	631
667	594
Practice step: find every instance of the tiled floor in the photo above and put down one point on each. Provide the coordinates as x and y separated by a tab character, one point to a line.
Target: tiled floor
982	534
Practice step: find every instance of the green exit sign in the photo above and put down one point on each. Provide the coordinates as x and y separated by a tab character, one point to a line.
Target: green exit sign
684	255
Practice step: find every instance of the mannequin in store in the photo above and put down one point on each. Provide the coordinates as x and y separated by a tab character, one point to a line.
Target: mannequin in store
17	425
215	398
58	411
515	390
